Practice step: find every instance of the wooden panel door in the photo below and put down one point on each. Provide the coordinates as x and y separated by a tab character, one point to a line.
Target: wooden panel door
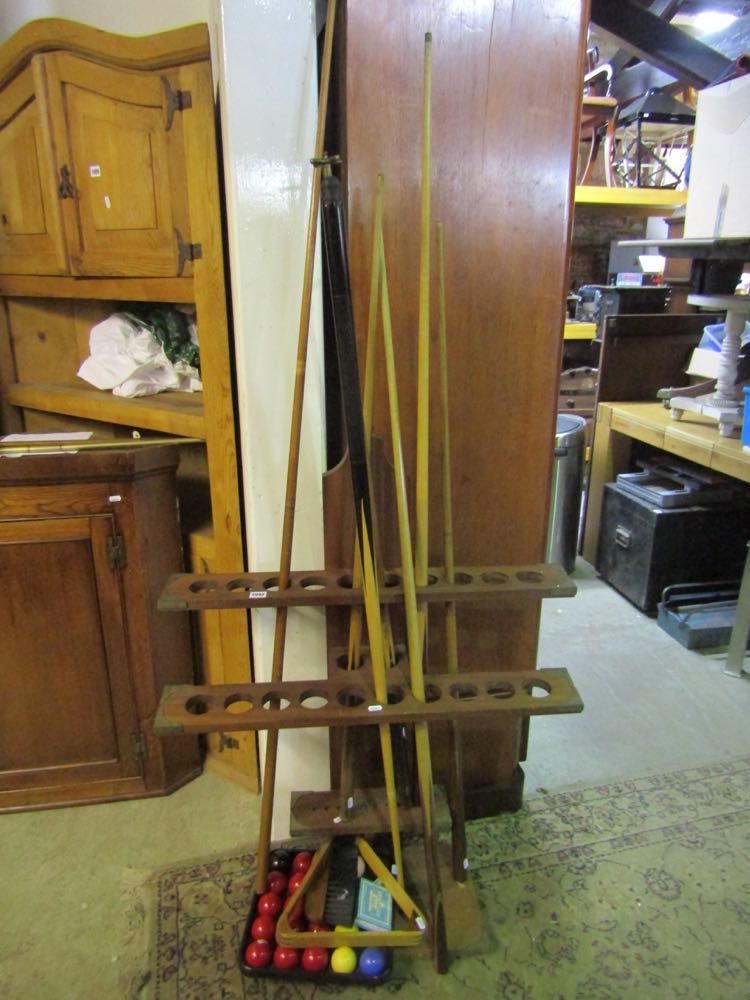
31	240
121	149
506	84
67	712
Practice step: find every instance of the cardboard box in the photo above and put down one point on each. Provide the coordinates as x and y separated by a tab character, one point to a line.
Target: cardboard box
719	193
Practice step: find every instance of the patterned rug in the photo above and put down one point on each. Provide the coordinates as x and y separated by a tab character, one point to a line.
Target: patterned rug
636	889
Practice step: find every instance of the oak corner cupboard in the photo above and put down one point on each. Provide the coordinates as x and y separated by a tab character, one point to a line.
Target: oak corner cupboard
86	540
109	195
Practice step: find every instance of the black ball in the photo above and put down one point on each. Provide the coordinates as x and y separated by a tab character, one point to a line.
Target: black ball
280	861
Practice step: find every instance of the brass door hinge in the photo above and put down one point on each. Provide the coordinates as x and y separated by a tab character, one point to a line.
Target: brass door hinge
175	100
65	188
116	551
140	750
186	251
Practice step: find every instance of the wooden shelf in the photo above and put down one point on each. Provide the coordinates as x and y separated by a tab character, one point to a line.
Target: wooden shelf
629	201
176	290
574	330
178	413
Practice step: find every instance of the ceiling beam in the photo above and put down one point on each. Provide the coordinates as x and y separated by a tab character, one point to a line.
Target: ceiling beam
659	43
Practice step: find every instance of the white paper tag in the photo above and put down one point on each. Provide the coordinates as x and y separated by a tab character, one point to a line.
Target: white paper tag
257	595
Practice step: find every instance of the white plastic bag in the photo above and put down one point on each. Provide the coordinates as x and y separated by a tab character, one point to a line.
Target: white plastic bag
129	360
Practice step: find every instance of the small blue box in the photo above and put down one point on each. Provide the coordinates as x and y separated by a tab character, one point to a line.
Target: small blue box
374	907
746	422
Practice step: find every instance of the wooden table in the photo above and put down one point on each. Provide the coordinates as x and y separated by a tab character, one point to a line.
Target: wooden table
694	438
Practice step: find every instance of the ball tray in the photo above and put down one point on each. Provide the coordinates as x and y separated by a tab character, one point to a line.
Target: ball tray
297	971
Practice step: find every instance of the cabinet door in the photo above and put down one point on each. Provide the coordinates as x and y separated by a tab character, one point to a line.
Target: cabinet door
122	149
67	714
31	240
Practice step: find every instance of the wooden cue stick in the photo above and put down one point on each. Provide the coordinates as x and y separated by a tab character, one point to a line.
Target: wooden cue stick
377	655
451	640
423	348
422	469
38	447
455	755
414	640
346	779
414	636
355	621
337	266
277	667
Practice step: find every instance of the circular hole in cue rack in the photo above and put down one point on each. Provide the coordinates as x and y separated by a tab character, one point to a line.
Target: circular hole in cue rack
197	705
530	576
312	583
495	576
237	704
275	701
272	583
463	578
432	693
202	586
392	580
342	662
537	689
312	700
395	695
345	581
240	584
431	580
501	689
351	697
463	692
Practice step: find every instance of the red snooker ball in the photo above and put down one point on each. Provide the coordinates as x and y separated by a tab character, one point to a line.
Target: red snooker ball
286	958
258	954
295	882
263	928
269	905
301	862
314	959
277	882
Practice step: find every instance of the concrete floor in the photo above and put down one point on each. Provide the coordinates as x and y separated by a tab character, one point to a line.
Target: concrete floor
75	879
649	704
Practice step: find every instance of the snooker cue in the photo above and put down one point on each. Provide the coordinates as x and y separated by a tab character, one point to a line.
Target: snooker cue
339	286
277	667
455	763
423	348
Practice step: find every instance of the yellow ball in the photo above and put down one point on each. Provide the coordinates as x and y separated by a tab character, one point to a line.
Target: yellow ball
344	959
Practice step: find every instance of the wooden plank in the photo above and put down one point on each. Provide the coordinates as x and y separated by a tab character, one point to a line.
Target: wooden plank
233	755
325	587
629	201
173	290
320	812
168	412
352	701
503	145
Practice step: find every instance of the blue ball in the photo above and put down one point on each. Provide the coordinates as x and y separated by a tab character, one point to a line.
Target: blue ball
372	962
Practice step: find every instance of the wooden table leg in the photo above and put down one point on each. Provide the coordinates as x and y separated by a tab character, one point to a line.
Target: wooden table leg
738	641
610	454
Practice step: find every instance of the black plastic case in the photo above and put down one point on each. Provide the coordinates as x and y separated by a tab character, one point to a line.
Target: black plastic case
644	548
